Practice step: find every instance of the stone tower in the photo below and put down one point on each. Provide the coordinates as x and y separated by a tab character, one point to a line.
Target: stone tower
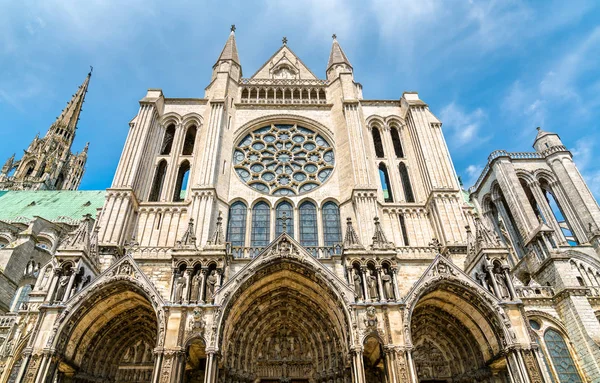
48	163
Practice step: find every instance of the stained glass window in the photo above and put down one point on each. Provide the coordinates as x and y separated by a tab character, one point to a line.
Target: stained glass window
284	207
561	357
332	228
261	225
308	225
283	160
236	229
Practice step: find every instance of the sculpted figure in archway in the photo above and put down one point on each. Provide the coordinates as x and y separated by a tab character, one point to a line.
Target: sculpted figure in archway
211	283
62	287
372	285
388	288
195	287
179	287
357	284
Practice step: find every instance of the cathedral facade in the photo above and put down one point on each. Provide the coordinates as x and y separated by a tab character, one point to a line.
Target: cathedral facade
284	229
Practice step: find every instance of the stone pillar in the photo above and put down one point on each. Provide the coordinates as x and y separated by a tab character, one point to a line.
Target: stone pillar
52	288
69	286
411	367
358	368
389	365
490	273
382	297
156	372
395	283
513	232
210	374
509	283
169	358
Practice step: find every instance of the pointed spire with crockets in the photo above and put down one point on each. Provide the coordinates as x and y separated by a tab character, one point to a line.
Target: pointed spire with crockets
230	49
70	115
337	55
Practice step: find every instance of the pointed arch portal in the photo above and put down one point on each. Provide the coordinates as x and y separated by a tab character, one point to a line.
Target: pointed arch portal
284	323
110	337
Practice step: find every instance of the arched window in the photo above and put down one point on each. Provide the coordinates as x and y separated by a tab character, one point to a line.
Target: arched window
561	357
308	225
332	228
190	140
408	192
21	297
284	207
403	228
385	183
377	143
532	202
159	179
397	143
559	214
236	228
30	168
183	176
168	140
261	225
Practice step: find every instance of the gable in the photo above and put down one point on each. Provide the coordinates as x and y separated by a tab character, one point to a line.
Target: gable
282	64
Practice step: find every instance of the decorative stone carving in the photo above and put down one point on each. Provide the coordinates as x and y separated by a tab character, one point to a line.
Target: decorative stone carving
211	285
371	317
217	238
351	240
380	241
372	285
387	281
188	241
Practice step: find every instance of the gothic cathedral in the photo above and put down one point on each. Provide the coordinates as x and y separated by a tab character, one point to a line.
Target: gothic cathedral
284	229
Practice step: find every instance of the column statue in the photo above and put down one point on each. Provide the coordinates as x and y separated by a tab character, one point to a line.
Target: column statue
372	286
211	283
388	287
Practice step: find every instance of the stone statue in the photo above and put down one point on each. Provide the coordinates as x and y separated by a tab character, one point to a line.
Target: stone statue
211	283
179	287
195	287
372	286
62	287
388	287
502	288
357	284
45	278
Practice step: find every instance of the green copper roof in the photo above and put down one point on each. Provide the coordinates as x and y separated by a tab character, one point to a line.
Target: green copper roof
50	205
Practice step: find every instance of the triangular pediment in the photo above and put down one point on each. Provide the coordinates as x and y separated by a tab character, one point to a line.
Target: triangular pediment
283	247
282	64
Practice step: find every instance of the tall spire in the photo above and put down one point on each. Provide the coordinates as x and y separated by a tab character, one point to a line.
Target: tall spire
230	49
70	115
337	55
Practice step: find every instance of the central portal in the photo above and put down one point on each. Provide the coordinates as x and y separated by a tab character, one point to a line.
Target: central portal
283	325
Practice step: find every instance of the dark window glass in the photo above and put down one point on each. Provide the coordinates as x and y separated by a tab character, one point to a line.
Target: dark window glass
168	140
408	192
190	140
261	225
332	228
308	225
403	228
561	357
385	183
236	229
284	207
377	143
182	182
397	143
159	178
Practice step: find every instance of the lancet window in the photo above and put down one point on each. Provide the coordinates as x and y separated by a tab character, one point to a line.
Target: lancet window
403	228
308	225
561	357
396	142
408	192
236	229
261	225
189	141
284	208
159	178
332	228
559	214
385	183
182	182
168	140
377	143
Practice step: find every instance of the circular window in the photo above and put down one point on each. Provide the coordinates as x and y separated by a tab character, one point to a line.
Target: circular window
283	159
534	324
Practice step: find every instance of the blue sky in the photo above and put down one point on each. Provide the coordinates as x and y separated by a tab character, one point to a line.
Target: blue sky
491	71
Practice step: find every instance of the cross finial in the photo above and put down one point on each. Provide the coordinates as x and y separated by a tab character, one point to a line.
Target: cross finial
232	27
334	36
91	69
284	40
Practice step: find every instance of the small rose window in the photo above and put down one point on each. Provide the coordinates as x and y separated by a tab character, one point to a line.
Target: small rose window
283	160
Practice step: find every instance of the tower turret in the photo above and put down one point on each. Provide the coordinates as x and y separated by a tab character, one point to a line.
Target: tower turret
338	62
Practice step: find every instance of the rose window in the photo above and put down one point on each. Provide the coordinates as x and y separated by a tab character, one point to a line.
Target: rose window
283	159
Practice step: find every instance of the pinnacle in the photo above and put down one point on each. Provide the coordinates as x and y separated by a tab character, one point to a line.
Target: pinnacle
337	55
230	49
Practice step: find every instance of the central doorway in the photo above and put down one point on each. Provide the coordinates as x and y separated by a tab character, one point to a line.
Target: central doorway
283	325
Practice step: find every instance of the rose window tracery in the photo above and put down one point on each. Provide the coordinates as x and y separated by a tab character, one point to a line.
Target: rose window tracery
283	160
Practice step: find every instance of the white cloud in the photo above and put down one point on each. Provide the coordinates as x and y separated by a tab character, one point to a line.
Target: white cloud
585	159
463	128
472	172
